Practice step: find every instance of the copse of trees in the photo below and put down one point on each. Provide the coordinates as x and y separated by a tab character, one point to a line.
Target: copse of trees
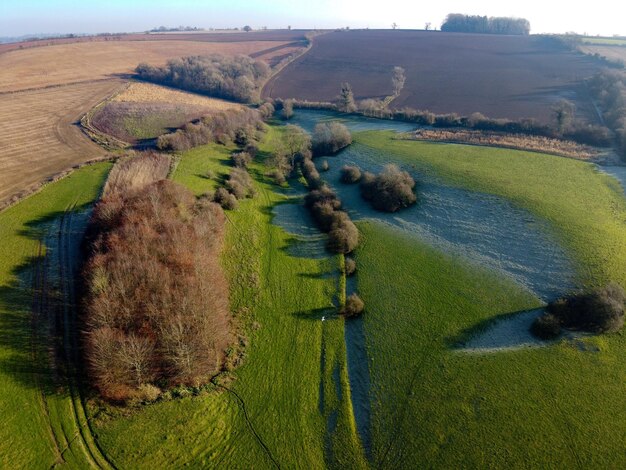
609	88
389	191
329	138
294	147
235	78
234	125
346	99
598	311
459	23
156	306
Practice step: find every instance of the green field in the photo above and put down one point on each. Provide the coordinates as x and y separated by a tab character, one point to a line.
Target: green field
604	41
586	208
437	408
34	416
293	359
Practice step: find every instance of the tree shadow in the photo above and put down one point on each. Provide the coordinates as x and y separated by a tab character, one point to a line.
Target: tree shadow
318	314
518	332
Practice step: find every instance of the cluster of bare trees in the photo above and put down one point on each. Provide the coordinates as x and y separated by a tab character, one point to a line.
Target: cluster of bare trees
329	138
157	299
237	78
390	190
609	89
293	148
234	125
458	23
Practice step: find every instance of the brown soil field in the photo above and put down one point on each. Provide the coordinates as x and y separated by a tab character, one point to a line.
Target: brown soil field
72	63
38	135
499	76
217	36
613	53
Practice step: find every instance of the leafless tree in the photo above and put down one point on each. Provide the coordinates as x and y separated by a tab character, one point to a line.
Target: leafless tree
397	80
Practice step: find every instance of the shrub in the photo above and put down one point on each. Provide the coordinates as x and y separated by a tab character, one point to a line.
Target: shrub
241	159
598	311
343	235
240	183
266	110
350	174
287	111
354	306
278	176
329	138
325	165
546	326
389	191
225	199
350	267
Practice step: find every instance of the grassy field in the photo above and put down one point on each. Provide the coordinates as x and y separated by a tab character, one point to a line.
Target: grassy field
587	209
604	41
38	423
294	379
561	406
145	111
38	135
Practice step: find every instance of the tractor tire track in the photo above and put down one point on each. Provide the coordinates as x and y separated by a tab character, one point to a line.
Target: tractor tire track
66	246
258	438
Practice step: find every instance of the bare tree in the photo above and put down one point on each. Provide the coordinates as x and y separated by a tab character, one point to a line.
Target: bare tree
397	80
394	25
346	99
427	26
563	112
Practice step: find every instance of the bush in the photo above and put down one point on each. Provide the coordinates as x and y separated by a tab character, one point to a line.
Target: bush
350	267
278	176
546	326
390	191
240	183
343	235
225	199
598	311
266	110
241	159
329	138
354	306
325	165
350	174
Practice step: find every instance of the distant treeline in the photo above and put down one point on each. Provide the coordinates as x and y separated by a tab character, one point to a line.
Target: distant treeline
458	23
235	78
165	29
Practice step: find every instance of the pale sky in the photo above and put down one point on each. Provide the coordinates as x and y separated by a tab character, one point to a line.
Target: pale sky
19	17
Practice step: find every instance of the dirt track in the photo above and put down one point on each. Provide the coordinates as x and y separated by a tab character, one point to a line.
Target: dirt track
499	76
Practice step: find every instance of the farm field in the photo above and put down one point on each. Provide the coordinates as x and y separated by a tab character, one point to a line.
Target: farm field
40	427
614	53
38	135
499	76
145	111
604	41
77	62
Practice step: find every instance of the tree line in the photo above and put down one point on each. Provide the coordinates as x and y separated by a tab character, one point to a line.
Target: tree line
459	23
609	90
235	78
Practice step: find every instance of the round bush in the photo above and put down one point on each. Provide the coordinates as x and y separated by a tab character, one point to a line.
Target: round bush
354	306
546	326
350	174
350	267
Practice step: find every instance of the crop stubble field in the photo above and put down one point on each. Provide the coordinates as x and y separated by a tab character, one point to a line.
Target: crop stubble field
45	90
499	76
38	135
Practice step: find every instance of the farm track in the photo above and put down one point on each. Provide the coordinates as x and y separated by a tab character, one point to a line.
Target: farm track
58	314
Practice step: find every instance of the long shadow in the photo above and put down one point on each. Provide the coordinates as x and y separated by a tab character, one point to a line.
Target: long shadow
317	314
465	337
